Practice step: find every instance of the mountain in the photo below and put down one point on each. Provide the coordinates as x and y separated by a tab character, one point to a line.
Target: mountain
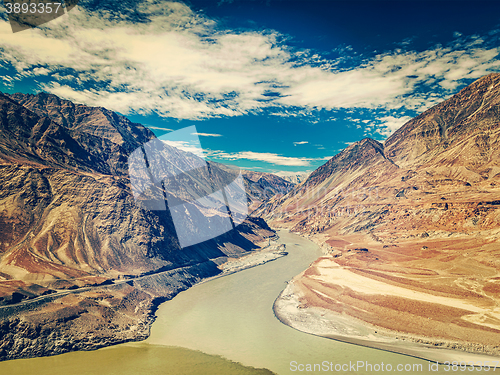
417	218
69	222
99	139
84	123
458	132
66	189
427	158
293	177
263	186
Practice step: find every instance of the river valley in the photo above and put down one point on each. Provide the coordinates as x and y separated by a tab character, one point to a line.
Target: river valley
231	317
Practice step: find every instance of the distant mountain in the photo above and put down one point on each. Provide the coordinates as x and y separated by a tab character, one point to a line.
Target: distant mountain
263	186
293	177
332	185
426	202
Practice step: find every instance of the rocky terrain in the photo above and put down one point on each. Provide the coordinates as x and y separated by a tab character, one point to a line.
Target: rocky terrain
82	263
410	227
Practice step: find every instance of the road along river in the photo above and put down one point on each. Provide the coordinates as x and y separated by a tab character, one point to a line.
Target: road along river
231	317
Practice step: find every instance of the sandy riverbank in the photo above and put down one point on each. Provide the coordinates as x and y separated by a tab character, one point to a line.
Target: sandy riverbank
289	309
258	258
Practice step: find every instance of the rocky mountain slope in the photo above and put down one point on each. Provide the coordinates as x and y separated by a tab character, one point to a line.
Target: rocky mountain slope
69	223
417	216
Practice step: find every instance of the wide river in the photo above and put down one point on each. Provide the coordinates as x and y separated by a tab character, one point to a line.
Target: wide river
231	317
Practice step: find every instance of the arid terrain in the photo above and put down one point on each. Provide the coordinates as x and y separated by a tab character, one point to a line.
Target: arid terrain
82	263
411	227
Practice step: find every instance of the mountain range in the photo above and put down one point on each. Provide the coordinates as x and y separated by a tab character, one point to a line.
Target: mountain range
410	227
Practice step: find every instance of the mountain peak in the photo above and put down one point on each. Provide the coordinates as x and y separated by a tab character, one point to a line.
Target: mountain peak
359	154
95	121
367	143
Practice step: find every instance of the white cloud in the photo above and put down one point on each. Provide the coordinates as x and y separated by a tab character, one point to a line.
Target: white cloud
300	143
389	124
267	157
180	65
158	128
207	134
187	147
177	72
390	80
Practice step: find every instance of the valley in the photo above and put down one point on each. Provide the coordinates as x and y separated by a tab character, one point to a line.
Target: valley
409	230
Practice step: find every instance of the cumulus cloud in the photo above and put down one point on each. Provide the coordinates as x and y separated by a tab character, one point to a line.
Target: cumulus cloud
300	143
181	64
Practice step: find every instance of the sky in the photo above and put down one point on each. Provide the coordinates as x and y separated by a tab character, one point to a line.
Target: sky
276	85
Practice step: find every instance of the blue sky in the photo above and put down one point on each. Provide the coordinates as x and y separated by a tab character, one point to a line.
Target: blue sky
270	85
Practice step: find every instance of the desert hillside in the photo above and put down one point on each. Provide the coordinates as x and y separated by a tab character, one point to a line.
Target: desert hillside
76	248
410	227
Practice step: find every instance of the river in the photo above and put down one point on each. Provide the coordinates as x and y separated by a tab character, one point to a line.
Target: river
230	317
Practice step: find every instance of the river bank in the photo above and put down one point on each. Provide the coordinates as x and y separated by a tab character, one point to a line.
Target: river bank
291	309
93	318
233	317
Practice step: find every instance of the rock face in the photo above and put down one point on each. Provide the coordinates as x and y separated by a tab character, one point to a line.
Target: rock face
425	205
69	222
